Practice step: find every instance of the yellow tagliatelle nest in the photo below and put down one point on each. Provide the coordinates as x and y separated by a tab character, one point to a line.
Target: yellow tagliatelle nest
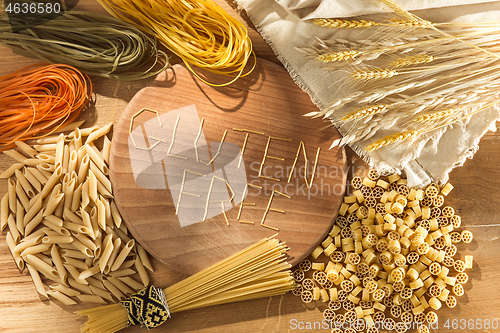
391	253
200	32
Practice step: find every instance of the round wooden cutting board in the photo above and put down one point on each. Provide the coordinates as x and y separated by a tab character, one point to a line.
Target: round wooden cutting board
200	173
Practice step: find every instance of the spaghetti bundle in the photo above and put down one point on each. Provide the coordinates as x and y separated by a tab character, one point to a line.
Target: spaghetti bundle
38	100
95	44
258	271
200	32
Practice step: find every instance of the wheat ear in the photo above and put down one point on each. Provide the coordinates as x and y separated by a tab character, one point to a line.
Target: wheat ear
435	115
412	60
365	112
338	56
338	23
373	74
386	140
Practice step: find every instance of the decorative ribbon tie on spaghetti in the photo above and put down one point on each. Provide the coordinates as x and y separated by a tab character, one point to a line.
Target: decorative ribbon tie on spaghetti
147	307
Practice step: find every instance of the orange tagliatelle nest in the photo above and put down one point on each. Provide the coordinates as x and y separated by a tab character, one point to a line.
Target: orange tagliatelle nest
37	100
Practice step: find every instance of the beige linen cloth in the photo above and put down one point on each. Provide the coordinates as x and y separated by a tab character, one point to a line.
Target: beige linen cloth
286	25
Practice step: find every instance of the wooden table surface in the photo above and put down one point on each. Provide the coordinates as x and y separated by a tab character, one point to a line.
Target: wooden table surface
476	197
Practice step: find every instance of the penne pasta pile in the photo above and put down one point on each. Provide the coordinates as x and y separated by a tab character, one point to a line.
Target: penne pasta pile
64	226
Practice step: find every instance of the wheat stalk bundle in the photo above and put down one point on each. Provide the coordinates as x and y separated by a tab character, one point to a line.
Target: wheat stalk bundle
411	76
259	270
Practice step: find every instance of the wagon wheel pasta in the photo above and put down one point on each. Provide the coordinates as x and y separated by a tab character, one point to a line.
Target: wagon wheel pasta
394	257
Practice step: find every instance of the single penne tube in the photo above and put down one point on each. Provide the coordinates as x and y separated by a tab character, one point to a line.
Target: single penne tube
47	139
75	263
52	204
34	200
46	167
98	247
102	293
11	222
81	247
122	272
51	182
122	235
60	230
27	243
75	274
10	171
15	155
101	214
35	249
68	195
35	234
82	238
72	217
32	179
120	285
128	263
87	223
77	138
82	152
46	146
89	272
70	127
106	149
41	266
54	219
55	190
46	158
56	239
100	176
107	207
83	287
33	223
64	289
83	168
35	172
11	184
85	194
71	146
94	221
141	271
115	214
33	161
91	299
116	249
96	281
92	187
98	133
28	189
77	196
20	218
75	227
72	163
114	290
61	297
94	157
73	254
106	252
4	211
123	254
37	281
21	196
65	162
103	192
84	131
131	282
59	150
143	255
12	244
45	173
57	260
26	148
34	209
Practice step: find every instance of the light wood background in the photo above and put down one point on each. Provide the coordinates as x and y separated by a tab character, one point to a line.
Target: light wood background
476	197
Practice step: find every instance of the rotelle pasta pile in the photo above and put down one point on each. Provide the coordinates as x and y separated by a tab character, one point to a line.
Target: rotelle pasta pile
64	226
392	258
